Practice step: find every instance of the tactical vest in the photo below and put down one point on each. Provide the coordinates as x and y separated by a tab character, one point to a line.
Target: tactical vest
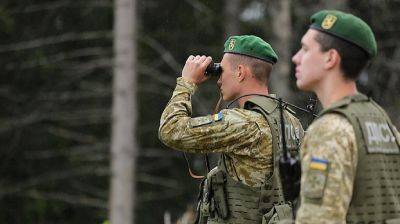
245	204
376	191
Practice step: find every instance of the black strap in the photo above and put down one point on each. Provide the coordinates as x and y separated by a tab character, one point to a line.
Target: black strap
195	176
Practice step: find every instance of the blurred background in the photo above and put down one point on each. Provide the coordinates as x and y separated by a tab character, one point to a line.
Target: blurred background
56	91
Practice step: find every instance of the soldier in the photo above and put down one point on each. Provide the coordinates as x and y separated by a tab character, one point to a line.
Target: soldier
243	187
350	155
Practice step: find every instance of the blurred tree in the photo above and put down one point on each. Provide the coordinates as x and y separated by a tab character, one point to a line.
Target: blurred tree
55	119
279	11
124	147
231	10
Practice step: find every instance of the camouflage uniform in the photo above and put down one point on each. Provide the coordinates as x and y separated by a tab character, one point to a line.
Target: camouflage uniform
330	138
327	191
242	135
350	155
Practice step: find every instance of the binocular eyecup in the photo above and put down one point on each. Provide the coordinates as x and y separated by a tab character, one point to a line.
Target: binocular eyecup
213	69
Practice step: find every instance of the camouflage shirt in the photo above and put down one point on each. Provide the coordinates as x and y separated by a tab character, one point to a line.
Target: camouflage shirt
242	135
329	160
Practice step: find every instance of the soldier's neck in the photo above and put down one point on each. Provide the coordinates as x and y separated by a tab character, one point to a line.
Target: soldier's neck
262	91
335	91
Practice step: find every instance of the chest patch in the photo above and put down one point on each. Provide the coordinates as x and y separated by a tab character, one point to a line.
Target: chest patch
378	136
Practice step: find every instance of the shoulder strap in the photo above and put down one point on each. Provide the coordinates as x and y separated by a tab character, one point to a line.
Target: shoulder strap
269	109
345	102
273	123
343	108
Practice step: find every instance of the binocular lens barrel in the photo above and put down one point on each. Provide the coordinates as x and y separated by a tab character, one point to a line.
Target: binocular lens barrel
213	69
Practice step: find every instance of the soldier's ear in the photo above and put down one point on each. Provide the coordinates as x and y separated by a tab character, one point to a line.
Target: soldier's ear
331	59
241	72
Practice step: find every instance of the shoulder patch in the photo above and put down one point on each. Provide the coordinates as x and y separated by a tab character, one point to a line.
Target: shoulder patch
217	117
200	121
316	178
318	164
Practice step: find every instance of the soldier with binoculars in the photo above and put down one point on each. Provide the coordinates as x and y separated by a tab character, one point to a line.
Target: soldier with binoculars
245	186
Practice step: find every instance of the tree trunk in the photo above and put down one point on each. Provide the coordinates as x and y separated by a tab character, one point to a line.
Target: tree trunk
123	143
282	27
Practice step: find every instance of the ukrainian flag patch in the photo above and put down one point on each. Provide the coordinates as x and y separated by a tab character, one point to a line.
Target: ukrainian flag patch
319	164
217	117
316	178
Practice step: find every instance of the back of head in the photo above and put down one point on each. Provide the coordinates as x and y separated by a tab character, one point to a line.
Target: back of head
350	36
253	52
259	68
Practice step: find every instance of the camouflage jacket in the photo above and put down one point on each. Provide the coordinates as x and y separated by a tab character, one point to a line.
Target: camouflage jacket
242	135
329	161
329	169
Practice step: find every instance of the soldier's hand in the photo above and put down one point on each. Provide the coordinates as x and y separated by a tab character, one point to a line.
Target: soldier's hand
195	67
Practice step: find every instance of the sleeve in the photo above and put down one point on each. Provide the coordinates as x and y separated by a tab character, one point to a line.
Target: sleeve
222	132
329	159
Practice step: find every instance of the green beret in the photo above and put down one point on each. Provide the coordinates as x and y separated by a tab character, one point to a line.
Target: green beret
347	27
251	46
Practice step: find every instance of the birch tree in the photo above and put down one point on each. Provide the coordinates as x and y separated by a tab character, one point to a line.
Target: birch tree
123	144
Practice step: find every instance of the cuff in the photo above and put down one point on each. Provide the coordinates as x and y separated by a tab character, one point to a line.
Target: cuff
185	86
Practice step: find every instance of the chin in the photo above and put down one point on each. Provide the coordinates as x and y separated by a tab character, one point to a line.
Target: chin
226	98
301	86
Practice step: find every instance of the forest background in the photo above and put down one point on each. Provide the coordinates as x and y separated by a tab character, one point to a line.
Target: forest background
56	74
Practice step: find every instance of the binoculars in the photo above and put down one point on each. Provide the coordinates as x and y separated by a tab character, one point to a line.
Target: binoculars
213	69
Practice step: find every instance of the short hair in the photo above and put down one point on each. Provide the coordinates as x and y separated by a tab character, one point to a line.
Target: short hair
354	59
260	69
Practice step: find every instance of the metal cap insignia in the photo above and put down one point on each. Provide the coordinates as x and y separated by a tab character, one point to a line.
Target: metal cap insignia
328	21
231	44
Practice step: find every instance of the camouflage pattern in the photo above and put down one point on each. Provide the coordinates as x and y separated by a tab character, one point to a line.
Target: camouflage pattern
242	135
326	192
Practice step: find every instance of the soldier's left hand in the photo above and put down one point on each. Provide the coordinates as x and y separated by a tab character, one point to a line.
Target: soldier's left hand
195	67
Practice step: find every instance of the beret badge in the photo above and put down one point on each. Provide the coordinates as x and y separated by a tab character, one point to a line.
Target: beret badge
329	21
231	44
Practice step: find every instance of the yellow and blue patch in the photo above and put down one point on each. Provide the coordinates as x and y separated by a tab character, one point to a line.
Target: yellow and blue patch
205	120
319	164
217	117
316	178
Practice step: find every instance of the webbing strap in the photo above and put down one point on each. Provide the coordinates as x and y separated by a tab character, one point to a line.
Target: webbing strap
195	176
